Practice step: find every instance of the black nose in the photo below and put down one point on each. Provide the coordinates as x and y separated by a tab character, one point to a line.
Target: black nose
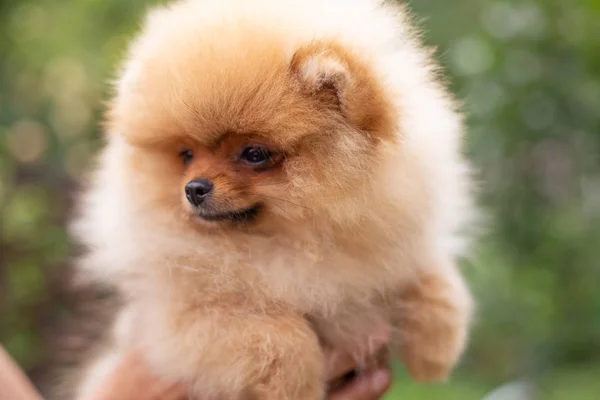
198	190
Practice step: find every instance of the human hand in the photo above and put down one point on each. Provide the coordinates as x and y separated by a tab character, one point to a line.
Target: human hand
14	384
133	379
371	381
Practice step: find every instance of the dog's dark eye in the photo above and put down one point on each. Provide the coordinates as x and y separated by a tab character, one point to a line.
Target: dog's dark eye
187	156
256	155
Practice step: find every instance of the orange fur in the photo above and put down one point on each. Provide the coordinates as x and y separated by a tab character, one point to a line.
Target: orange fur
363	205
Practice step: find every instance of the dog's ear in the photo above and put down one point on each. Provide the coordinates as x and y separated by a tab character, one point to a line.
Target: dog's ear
324	73
344	82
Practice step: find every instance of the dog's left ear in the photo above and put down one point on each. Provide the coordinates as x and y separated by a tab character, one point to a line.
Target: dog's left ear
343	82
323	73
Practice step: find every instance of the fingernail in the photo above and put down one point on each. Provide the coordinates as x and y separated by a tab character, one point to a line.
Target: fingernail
381	380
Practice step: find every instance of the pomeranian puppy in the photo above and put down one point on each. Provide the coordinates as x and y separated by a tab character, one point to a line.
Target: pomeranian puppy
279	176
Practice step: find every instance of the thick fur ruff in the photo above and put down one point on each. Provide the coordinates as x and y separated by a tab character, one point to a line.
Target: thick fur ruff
361	216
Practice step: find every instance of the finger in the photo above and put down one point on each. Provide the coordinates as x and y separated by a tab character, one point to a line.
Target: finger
169	391
378	361
341	361
134	379
14	384
175	393
371	386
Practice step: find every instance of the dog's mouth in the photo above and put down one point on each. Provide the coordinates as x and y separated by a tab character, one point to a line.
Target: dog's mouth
243	216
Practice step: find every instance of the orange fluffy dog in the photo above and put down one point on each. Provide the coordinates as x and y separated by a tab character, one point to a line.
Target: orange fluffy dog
279	176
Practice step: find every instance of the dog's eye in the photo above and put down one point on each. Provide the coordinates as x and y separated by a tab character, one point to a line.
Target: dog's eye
187	156
256	155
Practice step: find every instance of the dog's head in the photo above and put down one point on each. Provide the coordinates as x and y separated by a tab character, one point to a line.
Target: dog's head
241	125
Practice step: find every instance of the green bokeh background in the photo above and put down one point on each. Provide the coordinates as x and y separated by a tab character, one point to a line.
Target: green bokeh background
529	75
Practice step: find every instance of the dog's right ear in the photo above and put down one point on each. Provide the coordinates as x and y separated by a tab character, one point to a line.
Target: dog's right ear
342	82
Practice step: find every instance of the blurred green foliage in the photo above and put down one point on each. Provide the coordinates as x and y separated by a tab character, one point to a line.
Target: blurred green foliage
529	75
